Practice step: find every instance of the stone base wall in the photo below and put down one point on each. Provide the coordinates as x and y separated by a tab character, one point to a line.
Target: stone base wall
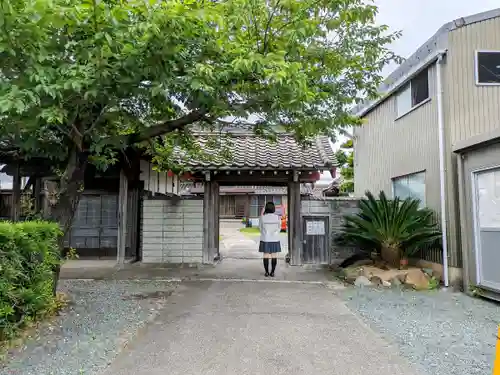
172	231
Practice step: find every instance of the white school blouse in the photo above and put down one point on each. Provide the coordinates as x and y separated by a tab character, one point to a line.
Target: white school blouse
270	226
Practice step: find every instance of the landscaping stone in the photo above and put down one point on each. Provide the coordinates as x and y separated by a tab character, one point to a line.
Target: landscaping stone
438	275
417	279
384	275
362	281
428	271
396	282
351	274
375	280
362	262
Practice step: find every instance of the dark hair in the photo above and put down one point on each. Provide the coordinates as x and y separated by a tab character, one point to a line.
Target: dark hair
269	209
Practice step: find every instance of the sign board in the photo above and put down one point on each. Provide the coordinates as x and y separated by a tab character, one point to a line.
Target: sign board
315	228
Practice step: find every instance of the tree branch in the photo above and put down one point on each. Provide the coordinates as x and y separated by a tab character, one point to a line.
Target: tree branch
97	119
165	127
266	31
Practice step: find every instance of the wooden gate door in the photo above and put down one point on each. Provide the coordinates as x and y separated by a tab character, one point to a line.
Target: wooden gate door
95	227
315	248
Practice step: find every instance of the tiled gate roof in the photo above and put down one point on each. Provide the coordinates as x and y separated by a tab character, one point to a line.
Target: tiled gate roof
197	188
249	151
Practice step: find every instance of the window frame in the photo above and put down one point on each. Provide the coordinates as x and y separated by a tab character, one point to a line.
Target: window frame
412	92
476	67
254	206
409	86
423	201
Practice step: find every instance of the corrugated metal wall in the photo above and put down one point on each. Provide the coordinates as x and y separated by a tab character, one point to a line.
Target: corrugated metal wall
387	147
472	109
412	140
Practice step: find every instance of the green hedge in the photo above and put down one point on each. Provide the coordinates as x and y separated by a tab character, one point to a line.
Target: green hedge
28	254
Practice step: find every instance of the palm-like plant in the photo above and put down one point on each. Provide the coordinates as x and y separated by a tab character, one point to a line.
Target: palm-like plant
392	227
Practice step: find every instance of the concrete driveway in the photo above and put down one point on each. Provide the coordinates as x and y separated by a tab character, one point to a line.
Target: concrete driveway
228	327
237	245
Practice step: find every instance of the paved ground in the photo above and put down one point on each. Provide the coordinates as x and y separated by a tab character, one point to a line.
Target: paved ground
230	319
235	269
237	245
254	328
213	323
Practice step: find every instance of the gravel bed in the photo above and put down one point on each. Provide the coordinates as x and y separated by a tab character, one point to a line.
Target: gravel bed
440	332
87	336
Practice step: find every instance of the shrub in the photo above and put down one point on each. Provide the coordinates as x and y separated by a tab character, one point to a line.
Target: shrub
28	254
392	227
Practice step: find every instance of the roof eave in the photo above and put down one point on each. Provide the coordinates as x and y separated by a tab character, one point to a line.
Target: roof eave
438	41
309	168
431	59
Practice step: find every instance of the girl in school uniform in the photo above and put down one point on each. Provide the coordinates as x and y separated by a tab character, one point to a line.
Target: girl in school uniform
270	246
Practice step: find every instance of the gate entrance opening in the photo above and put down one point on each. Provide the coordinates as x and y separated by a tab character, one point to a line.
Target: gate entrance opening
283	165
240	209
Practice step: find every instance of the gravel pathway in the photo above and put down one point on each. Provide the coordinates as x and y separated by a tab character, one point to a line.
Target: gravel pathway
440	332
89	334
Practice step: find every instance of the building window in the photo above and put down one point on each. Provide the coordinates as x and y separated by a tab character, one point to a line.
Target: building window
5	181
258	203
254	206
277	199
488	67
410	186
414	93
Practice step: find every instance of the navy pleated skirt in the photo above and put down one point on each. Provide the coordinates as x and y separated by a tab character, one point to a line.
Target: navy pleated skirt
269	247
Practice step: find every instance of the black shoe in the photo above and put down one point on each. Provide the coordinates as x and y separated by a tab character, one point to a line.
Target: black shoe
271	274
266	274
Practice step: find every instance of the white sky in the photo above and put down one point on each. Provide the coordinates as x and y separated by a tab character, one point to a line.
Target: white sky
418	20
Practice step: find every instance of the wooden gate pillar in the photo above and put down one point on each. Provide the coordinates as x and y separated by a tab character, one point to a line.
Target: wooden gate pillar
210	220
122	219
16	194
294	224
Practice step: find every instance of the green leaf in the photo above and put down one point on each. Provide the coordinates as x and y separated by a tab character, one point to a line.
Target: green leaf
111	70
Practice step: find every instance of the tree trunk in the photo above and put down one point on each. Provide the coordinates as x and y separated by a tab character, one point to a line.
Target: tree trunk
391	255
68	195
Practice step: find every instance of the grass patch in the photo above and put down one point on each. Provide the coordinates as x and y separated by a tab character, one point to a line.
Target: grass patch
252	231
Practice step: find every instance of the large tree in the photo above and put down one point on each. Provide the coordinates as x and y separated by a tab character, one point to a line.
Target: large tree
81	80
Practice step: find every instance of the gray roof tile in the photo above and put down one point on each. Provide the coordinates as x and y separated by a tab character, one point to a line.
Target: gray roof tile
249	151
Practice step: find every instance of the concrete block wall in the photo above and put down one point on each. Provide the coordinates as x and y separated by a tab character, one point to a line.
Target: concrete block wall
339	207
314	207
172	231
335	208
